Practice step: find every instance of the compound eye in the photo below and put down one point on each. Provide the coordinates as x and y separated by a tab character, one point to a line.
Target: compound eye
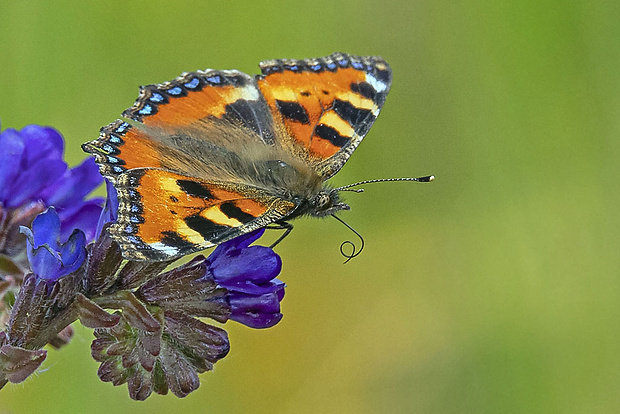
321	201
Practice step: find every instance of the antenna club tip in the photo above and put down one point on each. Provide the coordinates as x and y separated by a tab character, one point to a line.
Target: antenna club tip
425	179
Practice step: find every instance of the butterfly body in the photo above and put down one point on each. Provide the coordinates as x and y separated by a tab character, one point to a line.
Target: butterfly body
216	154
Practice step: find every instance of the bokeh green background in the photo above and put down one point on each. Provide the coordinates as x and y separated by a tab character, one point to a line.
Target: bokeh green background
495	289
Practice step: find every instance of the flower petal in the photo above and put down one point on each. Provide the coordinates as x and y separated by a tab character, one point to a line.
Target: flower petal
41	143
30	182
46	229
10	159
85	219
257	263
252	288
256	311
266	303
44	262
73	252
74	185
236	244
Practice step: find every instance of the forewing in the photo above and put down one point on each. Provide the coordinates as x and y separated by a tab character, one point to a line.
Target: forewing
163	215
177	125
324	106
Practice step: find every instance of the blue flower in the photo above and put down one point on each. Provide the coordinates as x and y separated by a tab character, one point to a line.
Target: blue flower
33	176
49	257
30	161
249	273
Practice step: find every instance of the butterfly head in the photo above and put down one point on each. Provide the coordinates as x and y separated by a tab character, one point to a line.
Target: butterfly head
326	202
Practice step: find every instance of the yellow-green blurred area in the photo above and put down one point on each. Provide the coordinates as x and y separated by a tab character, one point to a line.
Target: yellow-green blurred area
494	289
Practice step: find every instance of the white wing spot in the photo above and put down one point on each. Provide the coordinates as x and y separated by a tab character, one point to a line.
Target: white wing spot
250	93
376	83
169	250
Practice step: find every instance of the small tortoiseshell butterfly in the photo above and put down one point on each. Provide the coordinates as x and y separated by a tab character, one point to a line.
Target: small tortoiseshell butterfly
215	154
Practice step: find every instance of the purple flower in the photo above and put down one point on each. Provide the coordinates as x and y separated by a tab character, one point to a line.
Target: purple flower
49	257
31	160
33	176
237	281
249	273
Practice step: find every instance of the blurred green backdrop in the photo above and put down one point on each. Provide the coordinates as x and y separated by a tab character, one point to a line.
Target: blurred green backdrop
494	289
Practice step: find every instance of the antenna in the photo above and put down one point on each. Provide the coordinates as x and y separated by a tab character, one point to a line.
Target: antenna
425	179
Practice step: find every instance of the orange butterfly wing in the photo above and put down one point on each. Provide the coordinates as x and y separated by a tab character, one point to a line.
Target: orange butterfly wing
197	101
325	105
167	215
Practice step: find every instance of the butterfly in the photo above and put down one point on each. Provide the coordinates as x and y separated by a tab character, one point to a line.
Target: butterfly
215	154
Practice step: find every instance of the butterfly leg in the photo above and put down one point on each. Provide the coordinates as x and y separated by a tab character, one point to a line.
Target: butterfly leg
281	225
